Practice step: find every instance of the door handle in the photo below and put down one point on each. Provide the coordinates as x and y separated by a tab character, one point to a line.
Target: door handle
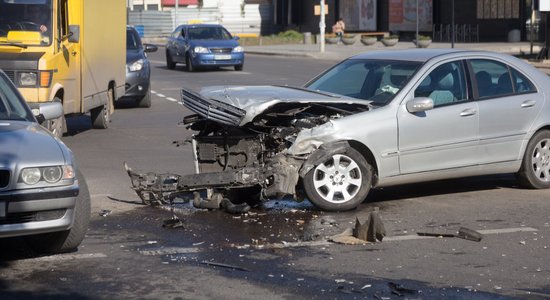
468	112
73	53
528	103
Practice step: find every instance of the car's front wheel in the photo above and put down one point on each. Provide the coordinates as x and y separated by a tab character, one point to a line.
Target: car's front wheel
535	167
239	67
340	183
189	64
146	100
65	241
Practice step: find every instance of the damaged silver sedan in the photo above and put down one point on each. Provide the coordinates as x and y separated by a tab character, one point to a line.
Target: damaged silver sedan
376	119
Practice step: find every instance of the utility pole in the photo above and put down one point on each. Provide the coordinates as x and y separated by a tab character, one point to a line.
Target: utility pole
453	33
416	24
322	26
176	14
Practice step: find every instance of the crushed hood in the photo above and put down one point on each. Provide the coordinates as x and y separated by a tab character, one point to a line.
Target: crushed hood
239	105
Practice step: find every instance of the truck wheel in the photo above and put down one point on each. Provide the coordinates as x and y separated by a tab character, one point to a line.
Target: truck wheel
66	241
101	116
57	126
189	64
146	100
340	183
535	167
170	64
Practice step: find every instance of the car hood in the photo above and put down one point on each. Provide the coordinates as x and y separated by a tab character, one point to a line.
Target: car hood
133	54
214	43
238	105
24	144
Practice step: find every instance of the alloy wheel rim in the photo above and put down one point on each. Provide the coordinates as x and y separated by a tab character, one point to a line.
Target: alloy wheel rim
338	180
540	160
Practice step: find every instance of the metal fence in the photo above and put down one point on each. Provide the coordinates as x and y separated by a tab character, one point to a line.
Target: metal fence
255	19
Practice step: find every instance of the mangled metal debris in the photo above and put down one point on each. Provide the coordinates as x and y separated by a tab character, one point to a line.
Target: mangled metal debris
173	222
371	231
463	233
248	139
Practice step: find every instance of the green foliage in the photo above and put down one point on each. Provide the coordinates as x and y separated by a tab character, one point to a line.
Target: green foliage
291	34
391	37
424	37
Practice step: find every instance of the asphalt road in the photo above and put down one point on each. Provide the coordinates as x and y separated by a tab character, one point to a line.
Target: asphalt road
277	252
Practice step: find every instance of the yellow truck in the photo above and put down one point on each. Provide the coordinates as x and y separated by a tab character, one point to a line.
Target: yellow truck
71	51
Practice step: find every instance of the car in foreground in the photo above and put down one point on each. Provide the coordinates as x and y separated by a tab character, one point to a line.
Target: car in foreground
377	119
42	195
138	68
203	45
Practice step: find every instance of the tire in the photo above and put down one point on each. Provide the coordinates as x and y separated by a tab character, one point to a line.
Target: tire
535	167
67	241
239	67
341	183
101	116
57	126
146	100
189	64
170	64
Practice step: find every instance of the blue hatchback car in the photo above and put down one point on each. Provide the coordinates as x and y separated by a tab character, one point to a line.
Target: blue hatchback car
203	45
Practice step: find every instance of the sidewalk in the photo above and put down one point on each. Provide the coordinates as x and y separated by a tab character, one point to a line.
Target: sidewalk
340	51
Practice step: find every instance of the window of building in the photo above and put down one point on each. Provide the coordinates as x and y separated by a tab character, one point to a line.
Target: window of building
152	7
138	7
498	9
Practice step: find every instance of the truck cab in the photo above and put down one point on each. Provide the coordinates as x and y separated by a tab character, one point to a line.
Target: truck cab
72	52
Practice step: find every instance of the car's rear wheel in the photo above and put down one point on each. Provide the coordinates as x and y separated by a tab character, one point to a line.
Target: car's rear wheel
65	241
535	168
170	64
239	67
340	183
101	116
189	64
146	100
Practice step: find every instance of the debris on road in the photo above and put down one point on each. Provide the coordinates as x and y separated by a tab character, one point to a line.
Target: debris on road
105	212
371	231
222	265
173	222
463	233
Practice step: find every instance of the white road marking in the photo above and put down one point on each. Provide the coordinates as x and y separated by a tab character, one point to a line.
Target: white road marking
153	92
65	257
386	239
161	95
168	250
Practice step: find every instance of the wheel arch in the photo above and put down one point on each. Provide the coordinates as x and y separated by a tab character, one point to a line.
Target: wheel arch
326	150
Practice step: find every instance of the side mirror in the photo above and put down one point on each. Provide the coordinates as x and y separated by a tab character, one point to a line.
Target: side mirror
74	33
236	38
48	111
149	48
420	104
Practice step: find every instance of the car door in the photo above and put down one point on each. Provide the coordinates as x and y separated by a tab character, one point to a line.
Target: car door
444	137
508	105
181	44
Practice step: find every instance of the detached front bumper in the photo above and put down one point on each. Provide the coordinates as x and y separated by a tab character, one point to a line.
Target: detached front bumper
218	60
35	211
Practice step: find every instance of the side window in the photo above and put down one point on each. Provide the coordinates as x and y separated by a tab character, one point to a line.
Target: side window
492	78
183	33
177	33
63	18
446	84
521	83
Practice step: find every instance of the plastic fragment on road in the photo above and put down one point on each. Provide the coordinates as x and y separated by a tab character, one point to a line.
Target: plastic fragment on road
371	231
463	233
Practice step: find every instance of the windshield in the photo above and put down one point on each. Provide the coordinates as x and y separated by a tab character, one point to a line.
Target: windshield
12	106
208	33
26	22
375	80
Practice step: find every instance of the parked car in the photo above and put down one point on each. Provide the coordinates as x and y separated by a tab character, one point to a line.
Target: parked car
42	194
203	45
138	68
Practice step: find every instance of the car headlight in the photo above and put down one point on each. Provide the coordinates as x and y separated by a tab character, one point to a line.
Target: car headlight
200	49
238	49
27	79
52	174
136	65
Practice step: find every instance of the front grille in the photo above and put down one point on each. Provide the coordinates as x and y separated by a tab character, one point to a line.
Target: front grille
221	50
11	75
4	178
